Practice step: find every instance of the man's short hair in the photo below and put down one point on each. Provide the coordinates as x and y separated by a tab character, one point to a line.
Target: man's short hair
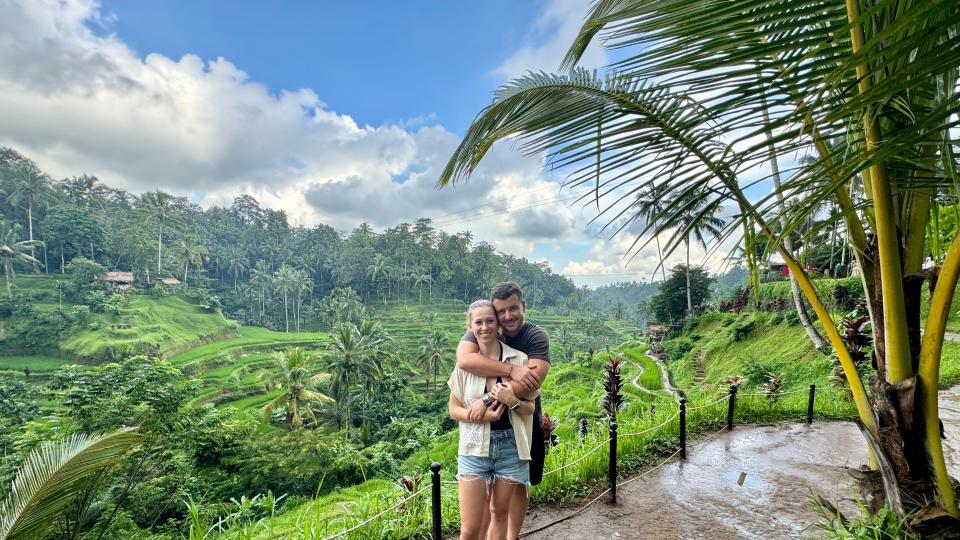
505	290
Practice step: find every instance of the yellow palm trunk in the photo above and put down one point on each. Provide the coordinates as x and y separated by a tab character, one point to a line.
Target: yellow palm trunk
930	350
896	338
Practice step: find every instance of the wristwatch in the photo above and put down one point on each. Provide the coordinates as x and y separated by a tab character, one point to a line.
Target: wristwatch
486	399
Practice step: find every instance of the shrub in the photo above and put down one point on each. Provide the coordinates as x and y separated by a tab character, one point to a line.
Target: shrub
742	329
675	348
757	371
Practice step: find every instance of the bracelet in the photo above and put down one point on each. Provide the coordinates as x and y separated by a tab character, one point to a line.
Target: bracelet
517	404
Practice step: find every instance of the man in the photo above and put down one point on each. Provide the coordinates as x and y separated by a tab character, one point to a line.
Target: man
528	338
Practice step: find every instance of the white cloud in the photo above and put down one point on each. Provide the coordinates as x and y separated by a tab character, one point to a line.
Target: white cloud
80	100
553	32
617	259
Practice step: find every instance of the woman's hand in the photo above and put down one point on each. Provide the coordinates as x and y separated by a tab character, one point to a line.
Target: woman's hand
503	393
494	412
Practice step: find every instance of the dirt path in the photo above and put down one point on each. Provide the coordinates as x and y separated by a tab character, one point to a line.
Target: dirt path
636	380
665	378
700	497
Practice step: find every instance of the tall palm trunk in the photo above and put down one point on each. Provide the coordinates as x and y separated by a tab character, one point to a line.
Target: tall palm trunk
7	272
159	248
30	228
286	314
689	295
663	268
818	342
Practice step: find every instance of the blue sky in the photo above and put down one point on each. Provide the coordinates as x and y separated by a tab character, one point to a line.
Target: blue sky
337	113
382	62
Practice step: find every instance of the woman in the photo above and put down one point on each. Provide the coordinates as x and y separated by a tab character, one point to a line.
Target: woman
495	454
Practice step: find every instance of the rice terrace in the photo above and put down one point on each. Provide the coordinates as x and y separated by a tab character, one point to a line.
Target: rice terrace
550	269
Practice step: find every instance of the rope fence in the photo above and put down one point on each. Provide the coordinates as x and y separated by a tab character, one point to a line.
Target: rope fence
611	442
374	518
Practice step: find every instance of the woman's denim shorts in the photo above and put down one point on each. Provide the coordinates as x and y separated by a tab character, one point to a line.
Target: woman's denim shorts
503	461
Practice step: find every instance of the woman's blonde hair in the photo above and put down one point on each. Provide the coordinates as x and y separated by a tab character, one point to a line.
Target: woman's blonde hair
477	304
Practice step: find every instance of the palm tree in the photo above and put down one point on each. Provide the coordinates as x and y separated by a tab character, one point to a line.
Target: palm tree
619	311
236	263
857	88
285	280
191	252
29	186
649	203
85	191
419	280
434	351
299	382
162	208
12	250
376	270
697	221
301	283
350	364
261	278
54	476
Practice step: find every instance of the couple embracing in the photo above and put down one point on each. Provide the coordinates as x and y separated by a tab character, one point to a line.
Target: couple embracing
494	394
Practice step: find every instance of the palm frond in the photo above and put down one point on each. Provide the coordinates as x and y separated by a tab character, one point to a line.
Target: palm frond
53	474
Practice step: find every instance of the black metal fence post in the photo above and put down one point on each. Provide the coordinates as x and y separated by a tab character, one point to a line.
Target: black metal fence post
683	429
730	405
813	391
612	471
435	467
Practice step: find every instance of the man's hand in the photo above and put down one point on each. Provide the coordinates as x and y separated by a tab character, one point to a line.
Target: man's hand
475	411
503	393
494	412
526	378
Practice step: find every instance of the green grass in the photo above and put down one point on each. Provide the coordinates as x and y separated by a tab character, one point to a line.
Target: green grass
165	325
144	325
37	364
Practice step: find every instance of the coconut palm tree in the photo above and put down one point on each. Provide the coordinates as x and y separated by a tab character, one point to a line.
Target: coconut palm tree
378	269
162	208
698	222
261	278
434	351
85	191
419	280
299	381
236	263
619	311
30	187
54	476
285	282
649	203
350	363
191	252
868	89
12	250
301	283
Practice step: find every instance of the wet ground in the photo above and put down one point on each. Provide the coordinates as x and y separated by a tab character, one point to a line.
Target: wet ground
703	498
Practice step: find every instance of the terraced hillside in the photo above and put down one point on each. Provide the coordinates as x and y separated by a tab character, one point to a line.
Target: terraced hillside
236	372
142	324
